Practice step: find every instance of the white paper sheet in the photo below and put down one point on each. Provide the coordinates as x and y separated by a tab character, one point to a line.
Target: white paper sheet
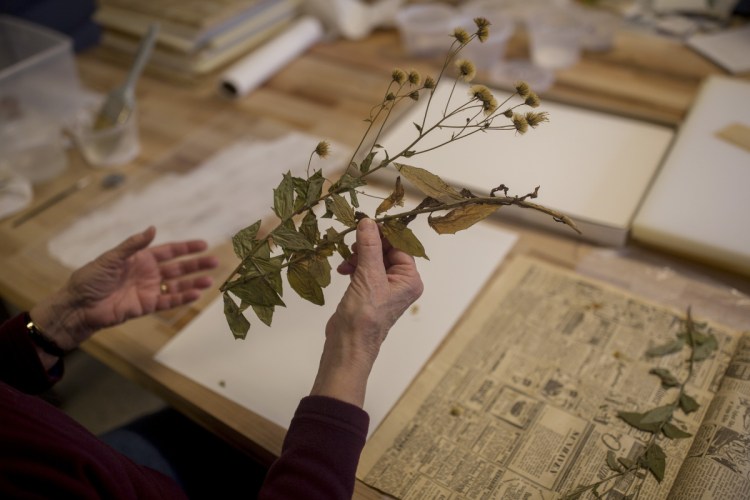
230	190
273	368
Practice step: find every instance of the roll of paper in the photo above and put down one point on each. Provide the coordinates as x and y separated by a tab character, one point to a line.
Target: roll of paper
250	72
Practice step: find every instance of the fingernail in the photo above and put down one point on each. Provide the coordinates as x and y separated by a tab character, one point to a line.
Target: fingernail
366	223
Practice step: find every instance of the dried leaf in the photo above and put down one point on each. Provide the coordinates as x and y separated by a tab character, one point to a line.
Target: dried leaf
290	239
342	210
309	228
667	379
658	415
626	462
429	183
395	198
705	349
636	420
612	461
265	314
283	197
320	269
656	461
668	348
402	238
257	292
243	240
305	284
238	323
674	432
364	167
688	404
461	218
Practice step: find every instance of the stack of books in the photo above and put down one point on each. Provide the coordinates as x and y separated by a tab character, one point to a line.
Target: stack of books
196	36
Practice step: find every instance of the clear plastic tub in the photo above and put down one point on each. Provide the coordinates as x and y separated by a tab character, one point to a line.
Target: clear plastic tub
39	93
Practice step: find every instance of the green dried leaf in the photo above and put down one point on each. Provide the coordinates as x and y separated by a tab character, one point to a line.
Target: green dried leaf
265	314
668	348
395	198
305	284
269	270
705	349
257	292
461	218
688	404
674	432
238	323
320	269
309	228
364	167
342	210
315	187
402	238
626	462
667	379
612	461
283	197
636	420
290	239
656	461
658	415
429	183
243	240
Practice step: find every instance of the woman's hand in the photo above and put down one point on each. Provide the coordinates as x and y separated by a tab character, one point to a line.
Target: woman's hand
126	282
384	283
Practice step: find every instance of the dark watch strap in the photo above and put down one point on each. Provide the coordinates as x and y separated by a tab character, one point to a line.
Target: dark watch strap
38	338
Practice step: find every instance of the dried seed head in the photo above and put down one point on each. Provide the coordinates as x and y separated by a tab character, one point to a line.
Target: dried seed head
466	70
414	95
484	95
398	76
414	77
461	35
390	97
429	83
533	100
523	89
483	28
535	119
322	149
520	123
508	113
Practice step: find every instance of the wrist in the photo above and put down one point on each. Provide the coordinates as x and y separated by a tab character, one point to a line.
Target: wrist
343	373
58	319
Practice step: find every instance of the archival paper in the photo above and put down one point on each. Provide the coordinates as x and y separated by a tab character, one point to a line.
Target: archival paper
521	402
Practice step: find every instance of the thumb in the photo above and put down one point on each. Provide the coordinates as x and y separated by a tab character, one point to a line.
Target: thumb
369	246
135	243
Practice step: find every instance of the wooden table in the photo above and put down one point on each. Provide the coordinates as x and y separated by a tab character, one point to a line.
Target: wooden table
326	93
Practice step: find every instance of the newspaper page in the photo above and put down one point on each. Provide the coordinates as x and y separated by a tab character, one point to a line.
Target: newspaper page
521	401
718	463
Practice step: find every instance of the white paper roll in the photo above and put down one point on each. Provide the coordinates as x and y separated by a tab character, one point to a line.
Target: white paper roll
265	61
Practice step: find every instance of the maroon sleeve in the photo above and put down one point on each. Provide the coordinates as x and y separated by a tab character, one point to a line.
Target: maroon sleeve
20	366
320	453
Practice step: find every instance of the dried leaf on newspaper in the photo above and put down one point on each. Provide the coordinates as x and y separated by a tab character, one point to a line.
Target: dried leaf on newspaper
656	461
668	348
667	379
688	404
674	432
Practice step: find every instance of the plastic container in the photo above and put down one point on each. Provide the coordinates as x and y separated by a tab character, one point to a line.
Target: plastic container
108	147
555	38
426	29
37	70
39	92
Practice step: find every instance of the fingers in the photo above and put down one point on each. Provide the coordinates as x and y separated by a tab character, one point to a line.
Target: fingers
135	243
182	292
176	269
369	247
176	249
